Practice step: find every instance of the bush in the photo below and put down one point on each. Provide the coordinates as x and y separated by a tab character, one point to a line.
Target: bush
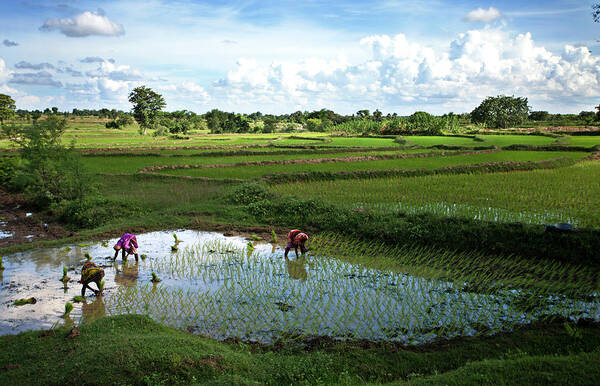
247	193
93	212
8	169
112	125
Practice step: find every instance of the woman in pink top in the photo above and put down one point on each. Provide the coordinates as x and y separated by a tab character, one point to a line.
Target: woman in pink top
296	238
127	243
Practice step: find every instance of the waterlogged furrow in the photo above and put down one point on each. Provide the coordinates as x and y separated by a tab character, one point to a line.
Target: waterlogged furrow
221	290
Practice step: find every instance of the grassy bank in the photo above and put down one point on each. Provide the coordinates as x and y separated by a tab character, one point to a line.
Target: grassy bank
135	350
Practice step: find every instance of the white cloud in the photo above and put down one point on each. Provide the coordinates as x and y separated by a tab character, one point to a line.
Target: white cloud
410	76
84	24
483	15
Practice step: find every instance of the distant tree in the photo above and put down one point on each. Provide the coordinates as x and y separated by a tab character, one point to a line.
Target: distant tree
539	116
363	113
35	115
54	110
587	117
146	105
377	116
270	124
501	111
7	107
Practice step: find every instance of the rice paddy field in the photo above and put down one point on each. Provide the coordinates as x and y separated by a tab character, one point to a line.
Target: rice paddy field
204	270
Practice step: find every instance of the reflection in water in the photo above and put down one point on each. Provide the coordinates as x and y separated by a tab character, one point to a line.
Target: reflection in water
127	275
296	268
94	310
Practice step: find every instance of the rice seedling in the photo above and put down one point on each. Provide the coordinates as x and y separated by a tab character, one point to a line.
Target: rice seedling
355	290
67	249
174	248
21	302
87	256
537	197
68	309
101	286
78	299
83	245
155	278
144	256
255	238
273	237
65	277
105	244
2	268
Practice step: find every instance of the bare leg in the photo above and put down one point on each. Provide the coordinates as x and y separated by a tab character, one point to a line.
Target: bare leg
116	254
123	256
136	257
287	250
296	249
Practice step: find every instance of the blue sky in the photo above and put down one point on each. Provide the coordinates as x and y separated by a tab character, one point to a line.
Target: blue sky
281	56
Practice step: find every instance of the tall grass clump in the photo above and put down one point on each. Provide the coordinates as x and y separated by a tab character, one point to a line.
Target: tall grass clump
65	277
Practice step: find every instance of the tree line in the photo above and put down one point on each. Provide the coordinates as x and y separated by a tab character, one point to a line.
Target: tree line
493	112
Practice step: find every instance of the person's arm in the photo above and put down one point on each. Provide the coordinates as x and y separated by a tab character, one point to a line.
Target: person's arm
134	242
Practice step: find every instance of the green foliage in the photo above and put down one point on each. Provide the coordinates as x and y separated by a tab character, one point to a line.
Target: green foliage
65	277
68	308
146	105
7	107
2	268
501	112
8	171
155	278
273	236
22	302
79	299
94	211
247	193
101	286
49	171
223	122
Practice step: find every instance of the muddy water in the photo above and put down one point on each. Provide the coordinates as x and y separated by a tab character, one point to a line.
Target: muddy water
37	274
216	286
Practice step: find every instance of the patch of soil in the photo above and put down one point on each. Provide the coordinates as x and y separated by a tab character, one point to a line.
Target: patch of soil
14	219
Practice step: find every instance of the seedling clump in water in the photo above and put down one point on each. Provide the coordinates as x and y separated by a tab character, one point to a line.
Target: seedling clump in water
68	308
87	256
155	278
79	299
101	286
65	277
273	236
22	302
1	264
144	256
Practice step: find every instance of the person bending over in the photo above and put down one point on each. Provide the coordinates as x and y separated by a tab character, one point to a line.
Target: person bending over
127	243
91	273
296	238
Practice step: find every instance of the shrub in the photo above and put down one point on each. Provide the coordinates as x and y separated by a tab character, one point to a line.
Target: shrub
93	212
247	193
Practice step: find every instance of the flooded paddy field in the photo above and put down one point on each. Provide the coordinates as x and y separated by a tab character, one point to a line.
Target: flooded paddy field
228	287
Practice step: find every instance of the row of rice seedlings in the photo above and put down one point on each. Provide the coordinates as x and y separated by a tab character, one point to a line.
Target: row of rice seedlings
538	196
478	270
252	297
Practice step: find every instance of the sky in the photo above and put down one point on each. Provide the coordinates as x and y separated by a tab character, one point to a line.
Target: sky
281	56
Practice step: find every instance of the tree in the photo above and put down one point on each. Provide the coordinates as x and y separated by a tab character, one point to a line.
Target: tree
7	107
146	105
501	112
539	116
49	171
587	117
377	116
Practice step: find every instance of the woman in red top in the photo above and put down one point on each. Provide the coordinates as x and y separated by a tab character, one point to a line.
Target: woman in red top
296	238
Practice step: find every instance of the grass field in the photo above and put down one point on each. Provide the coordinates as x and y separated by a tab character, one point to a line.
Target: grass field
400	215
253	172
569	194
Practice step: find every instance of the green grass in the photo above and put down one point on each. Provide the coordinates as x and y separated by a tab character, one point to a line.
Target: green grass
134	350
132	164
586	141
556	194
252	172
506	140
